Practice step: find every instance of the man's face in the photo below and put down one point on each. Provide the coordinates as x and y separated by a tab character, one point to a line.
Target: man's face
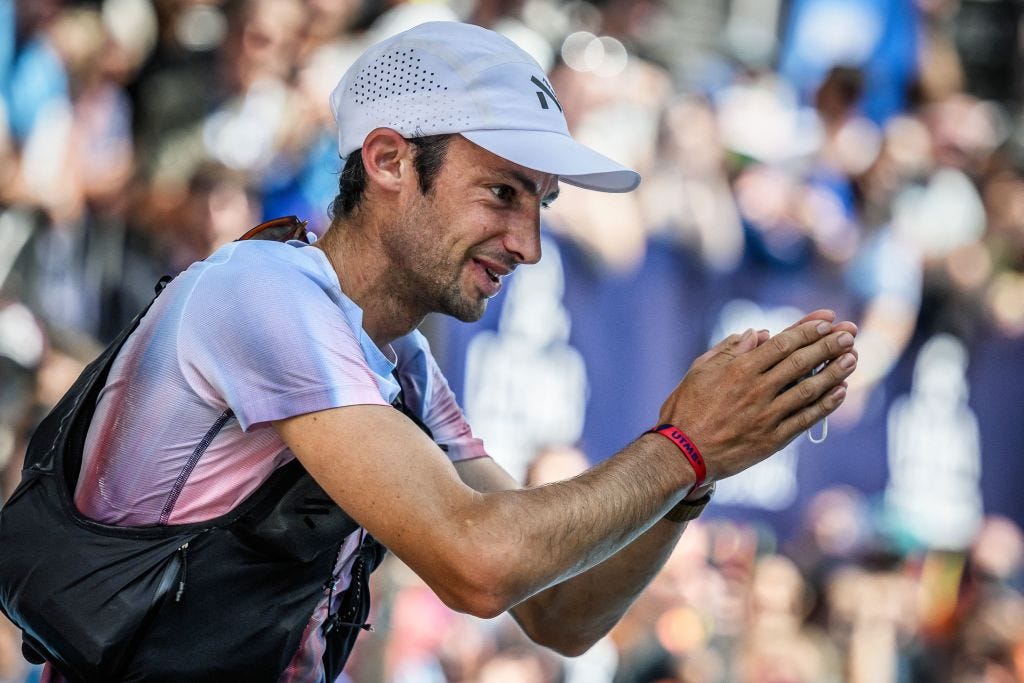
452	246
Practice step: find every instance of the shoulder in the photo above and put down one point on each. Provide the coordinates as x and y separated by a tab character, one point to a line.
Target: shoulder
259	278
264	292
263	265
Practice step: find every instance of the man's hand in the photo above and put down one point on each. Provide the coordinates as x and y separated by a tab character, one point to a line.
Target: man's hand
744	399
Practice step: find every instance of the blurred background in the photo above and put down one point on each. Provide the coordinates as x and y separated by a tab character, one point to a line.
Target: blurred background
860	155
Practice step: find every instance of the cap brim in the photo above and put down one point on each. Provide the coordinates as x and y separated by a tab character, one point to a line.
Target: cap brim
551	152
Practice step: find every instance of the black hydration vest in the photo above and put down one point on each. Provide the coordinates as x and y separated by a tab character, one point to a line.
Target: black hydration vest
224	599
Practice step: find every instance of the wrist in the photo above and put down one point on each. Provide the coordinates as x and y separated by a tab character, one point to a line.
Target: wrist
688	449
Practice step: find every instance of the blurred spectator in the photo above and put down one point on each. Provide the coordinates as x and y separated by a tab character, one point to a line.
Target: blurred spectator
34	80
876	36
13	669
777	645
22	350
859	154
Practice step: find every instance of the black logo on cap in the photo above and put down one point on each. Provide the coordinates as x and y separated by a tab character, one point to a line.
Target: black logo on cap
545	89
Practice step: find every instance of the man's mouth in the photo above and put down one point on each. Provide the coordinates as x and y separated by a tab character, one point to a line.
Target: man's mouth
493	271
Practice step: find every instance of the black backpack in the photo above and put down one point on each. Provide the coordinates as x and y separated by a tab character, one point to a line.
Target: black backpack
226	599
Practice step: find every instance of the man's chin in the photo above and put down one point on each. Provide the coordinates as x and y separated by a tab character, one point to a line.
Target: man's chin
467	312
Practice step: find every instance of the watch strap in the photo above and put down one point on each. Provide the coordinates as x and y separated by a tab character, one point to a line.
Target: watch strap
688	510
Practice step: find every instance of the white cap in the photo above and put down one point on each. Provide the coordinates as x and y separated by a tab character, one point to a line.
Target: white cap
447	77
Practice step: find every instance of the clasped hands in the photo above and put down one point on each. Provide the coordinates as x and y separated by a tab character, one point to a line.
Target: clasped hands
752	393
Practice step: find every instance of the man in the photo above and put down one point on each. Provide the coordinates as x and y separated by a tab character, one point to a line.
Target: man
266	354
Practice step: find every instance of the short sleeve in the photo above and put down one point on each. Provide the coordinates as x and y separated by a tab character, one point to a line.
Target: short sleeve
446	420
261	336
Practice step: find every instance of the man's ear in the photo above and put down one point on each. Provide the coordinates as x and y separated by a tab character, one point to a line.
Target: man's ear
387	158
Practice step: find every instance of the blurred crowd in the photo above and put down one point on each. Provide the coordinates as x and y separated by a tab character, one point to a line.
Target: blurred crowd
734	604
867	151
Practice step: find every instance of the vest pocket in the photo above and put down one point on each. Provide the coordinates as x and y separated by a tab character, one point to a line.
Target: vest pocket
299	522
91	615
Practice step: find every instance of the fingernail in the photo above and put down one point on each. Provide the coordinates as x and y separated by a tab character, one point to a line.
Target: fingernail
845	339
847	361
746	335
839	393
824	327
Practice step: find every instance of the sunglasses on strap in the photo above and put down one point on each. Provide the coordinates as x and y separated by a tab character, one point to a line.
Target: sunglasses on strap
279	230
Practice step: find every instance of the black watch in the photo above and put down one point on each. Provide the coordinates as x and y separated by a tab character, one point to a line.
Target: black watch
687	510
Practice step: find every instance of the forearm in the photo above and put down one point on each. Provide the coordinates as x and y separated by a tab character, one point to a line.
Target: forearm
564	529
571	616
483	549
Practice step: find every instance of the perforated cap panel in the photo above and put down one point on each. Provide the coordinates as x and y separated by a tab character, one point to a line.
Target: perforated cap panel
401	87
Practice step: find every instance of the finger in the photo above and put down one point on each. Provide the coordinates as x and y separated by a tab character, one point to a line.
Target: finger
715	350
807	391
747	342
732	346
803	361
846	326
826	314
806	418
821	314
785	343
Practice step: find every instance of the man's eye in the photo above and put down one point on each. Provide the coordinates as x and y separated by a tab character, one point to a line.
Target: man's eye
503	192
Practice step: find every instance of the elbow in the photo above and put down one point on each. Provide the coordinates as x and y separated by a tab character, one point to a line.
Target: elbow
481	607
563	636
567	644
478	587
486	584
483	573
575	650
568	648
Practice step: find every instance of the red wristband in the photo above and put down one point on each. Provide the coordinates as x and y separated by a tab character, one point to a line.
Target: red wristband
688	448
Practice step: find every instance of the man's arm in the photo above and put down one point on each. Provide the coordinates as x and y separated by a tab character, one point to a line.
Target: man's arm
486	552
571	616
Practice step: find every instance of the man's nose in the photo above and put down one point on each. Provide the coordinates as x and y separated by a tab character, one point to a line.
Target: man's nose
523	239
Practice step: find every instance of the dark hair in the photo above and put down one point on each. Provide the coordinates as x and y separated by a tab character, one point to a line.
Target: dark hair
429	154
